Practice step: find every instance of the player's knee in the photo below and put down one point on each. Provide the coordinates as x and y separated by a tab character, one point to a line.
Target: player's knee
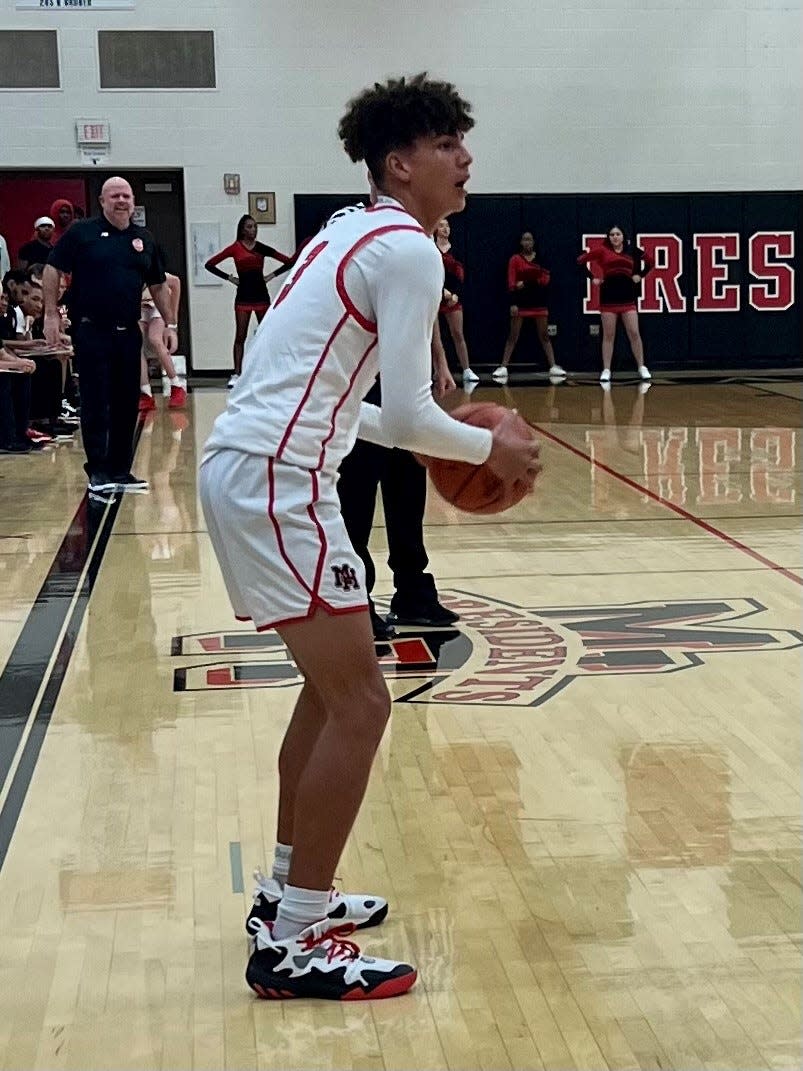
366	709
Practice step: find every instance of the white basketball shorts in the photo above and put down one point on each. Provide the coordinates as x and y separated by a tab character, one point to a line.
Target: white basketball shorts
148	313
279	538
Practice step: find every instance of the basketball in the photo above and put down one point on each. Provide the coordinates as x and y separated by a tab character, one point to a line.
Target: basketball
476	488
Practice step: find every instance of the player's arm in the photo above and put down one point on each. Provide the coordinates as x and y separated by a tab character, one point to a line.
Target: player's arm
406	284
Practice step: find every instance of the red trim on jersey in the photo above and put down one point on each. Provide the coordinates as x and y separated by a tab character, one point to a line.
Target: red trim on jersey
387	208
337	408
316	584
277	529
312	379
332	611
365	323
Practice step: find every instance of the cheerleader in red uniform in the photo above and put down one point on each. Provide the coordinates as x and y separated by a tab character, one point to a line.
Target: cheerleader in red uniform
451	307
618	267
527	284
252	294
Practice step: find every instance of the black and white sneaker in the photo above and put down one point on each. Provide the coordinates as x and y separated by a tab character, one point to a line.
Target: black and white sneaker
100	483
320	962
129	482
360	911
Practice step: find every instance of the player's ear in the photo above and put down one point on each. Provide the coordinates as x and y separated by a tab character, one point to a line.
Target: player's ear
397	165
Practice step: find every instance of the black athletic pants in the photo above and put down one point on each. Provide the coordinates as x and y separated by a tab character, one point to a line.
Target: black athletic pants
109	361
15	407
404	494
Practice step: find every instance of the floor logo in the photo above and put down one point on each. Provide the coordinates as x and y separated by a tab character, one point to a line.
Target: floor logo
502	654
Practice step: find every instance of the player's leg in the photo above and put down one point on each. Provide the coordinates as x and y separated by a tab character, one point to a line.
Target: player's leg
630	321
608	336
329	750
510	345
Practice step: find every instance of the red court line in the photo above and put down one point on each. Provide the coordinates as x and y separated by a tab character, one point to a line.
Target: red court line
706	527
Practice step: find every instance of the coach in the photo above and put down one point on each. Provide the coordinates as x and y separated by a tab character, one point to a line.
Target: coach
110	260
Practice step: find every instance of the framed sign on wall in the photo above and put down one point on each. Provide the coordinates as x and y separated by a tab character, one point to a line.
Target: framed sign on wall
262	206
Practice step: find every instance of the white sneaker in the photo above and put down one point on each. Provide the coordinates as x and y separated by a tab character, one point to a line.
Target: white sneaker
470	376
605	375
644	372
556	372
500	374
361	911
320	962
232	381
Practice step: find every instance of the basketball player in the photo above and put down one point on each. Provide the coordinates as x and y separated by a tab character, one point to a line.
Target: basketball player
362	298
152	327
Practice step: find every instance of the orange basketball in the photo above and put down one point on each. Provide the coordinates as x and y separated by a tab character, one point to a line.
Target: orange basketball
475	488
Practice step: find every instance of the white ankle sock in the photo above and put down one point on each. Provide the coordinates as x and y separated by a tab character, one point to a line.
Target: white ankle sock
146	389
281	862
298	909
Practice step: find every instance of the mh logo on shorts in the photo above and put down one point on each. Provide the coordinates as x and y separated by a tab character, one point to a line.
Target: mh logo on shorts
345	577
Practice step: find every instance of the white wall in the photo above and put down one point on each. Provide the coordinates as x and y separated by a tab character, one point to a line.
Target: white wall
569	95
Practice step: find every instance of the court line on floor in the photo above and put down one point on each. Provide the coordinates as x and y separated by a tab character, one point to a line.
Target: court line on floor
56	608
698	521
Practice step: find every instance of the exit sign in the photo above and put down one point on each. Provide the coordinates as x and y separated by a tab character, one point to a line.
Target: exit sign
92	132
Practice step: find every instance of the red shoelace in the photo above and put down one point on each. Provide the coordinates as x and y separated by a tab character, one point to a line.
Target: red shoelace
335	943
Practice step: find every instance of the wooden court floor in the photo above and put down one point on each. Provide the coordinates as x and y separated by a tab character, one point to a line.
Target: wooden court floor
586	811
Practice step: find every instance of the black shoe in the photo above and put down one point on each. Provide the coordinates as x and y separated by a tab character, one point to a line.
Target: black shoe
101	483
382	630
129	482
427	614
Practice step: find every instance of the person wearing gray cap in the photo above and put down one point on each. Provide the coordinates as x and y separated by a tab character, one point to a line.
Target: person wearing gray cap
38	249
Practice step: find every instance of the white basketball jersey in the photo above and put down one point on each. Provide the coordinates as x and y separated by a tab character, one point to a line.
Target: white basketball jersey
316	353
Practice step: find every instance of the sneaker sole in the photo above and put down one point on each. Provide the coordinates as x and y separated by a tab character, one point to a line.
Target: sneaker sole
288	989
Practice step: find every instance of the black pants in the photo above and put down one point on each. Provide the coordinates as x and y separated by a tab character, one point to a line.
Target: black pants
46	391
108	357
404	495
15	407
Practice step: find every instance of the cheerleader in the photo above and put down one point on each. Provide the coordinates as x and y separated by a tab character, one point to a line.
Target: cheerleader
451	308
617	268
252	294
528	286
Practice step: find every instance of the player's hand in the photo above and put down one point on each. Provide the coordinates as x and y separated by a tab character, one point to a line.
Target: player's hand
52	328
234	279
514	310
170	339
596	282
512	458
520	285
453	299
443	382
636	278
24	364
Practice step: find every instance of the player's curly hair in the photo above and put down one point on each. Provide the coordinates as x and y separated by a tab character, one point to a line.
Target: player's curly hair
393	114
